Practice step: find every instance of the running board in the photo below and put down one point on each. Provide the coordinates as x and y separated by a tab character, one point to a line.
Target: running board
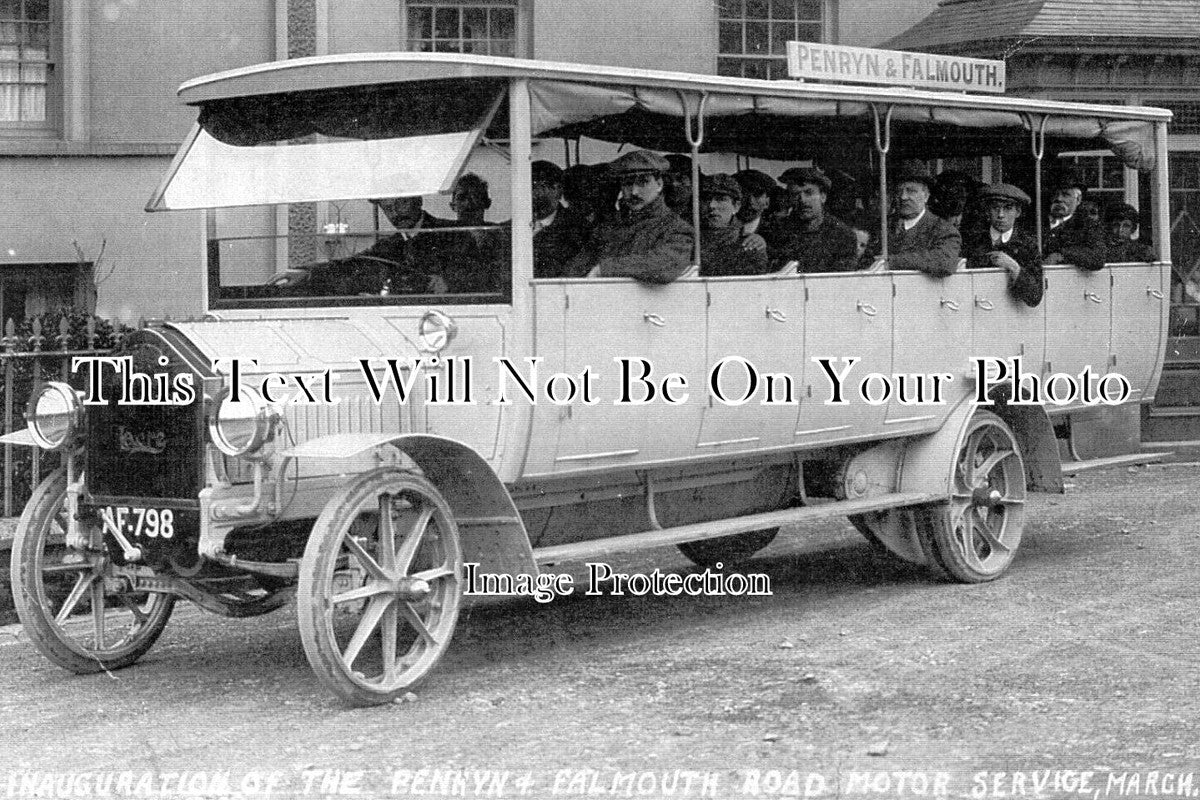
1073	467
612	545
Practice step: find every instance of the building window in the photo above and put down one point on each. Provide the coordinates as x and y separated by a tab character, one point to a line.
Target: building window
480	27
26	63
27	290
1104	177
753	34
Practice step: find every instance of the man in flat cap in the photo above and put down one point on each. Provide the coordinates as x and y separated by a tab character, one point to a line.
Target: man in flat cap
1002	245
557	233
724	248
1072	238
1123	225
816	240
918	239
646	240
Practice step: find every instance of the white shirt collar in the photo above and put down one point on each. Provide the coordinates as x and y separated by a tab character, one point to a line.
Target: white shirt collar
909	224
751	226
545	222
1055	223
1003	237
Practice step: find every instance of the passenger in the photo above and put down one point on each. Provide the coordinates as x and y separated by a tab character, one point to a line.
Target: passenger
724	248
472	260
756	199
862	224
646	240
1003	245
1122	228
557	233
1072	238
919	239
844	200
1091	210
954	199
815	240
584	192
678	186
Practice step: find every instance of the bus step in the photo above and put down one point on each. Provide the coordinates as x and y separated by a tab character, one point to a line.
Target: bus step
613	545
1074	467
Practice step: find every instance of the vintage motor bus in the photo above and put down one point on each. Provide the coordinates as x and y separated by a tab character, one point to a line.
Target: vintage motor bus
351	429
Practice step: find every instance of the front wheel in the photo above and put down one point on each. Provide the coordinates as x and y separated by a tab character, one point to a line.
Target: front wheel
380	585
975	536
73	607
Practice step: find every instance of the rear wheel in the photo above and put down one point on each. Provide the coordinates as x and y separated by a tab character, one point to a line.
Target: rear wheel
727	550
75	610
975	536
380	585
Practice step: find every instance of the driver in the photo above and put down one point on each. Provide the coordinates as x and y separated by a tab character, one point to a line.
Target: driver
393	264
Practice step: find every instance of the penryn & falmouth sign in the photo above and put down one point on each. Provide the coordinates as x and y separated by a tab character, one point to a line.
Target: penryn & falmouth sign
826	62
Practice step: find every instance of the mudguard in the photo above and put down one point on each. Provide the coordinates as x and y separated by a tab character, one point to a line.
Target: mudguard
490	528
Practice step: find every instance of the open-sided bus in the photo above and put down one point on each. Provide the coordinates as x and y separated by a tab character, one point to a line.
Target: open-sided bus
257	460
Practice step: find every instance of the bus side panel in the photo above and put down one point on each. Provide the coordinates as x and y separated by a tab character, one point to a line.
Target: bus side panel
760	321
932	337
1138	298
655	328
845	316
1077	322
1002	327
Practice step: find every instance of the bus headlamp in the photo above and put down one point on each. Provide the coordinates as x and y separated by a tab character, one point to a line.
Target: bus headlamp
53	415
241	427
436	330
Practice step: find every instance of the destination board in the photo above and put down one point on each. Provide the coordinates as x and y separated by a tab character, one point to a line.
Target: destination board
827	62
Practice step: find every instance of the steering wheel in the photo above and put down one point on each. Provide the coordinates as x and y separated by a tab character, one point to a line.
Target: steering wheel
411	280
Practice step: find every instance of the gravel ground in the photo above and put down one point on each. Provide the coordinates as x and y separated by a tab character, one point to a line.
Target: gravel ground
859	676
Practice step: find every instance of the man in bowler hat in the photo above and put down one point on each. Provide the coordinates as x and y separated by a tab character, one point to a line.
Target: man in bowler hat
918	239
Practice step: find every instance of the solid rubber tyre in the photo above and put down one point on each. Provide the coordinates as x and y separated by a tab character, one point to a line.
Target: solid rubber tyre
975	536
380	586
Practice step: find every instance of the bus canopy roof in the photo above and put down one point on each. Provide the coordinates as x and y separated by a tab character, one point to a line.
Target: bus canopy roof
373	96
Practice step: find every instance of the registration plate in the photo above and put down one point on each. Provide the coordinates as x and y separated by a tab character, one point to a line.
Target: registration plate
136	522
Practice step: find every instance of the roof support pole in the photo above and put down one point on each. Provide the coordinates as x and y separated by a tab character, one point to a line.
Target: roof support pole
883	143
1037	144
695	138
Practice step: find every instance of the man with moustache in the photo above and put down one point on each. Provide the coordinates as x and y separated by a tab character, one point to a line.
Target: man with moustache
724	249
918	239
1002	245
1072	238
646	240
815	240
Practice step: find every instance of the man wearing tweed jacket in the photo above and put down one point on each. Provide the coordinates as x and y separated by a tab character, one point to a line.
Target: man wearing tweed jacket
917	238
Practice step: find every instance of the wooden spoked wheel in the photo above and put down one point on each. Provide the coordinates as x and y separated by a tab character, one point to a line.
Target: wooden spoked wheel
380	586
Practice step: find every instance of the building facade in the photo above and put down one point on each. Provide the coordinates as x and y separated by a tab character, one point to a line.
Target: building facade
89	121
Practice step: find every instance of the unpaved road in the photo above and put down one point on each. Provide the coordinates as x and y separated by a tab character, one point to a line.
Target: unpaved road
1077	674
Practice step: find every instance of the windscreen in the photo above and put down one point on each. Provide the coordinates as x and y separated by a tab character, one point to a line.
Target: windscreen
359	143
